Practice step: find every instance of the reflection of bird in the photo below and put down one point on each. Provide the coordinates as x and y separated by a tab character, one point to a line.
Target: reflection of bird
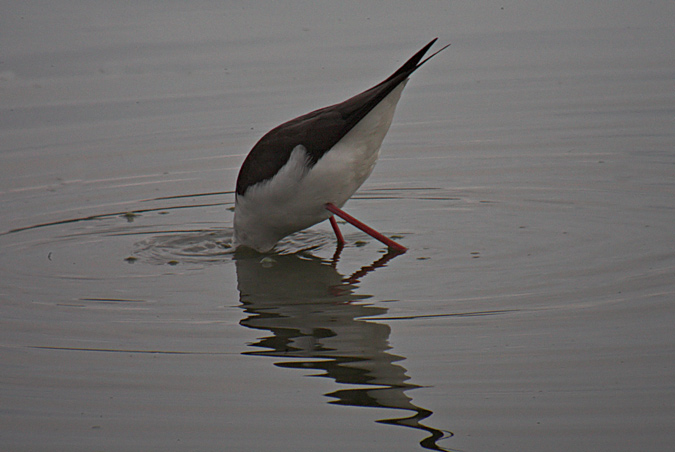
305	170
317	323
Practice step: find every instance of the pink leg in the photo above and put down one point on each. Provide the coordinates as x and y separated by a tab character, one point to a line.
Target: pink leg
332	208
336	229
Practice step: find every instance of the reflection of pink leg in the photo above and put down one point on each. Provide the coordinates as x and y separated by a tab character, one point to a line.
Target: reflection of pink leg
332	208
336	229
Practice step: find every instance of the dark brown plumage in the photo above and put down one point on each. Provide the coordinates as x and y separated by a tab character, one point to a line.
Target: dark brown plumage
320	130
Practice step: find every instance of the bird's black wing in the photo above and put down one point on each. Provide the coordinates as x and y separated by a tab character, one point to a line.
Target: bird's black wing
320	130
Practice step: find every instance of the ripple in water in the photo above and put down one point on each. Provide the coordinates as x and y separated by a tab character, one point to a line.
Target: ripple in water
215	246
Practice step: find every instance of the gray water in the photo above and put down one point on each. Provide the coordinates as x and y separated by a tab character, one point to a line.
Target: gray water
530	170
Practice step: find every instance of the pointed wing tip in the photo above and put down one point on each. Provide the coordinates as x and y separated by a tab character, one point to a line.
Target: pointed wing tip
428	46
433	54
416	60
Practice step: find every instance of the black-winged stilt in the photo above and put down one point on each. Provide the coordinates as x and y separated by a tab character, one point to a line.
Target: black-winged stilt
302	172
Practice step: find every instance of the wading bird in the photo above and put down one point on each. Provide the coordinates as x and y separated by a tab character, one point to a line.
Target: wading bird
302	172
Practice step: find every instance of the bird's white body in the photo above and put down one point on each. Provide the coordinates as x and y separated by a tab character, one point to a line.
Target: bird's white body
303	171
295	197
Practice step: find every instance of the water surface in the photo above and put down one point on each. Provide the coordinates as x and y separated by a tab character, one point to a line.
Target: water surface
529	170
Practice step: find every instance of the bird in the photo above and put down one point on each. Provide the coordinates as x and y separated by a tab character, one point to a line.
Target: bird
303	171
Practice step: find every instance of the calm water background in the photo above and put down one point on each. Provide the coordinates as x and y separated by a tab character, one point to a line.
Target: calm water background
530	170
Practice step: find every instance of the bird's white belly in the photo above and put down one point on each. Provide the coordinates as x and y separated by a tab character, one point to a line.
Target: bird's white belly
295	197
